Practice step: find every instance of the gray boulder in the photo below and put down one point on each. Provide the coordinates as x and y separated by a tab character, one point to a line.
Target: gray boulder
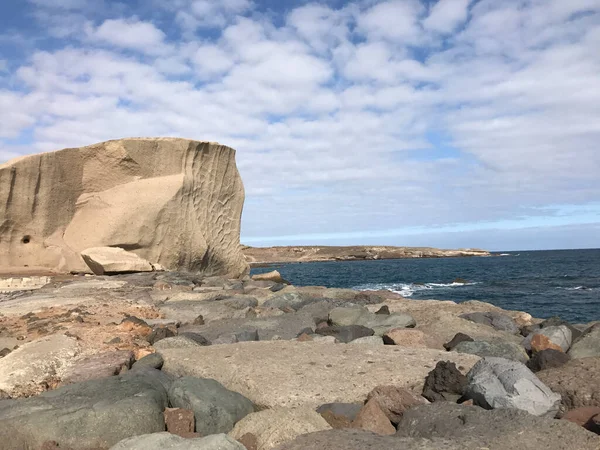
501	383
497	429
493	319
381	324
168	441
153	360
216	408
559	335
180	341
345	316
89	415
346	333
495	347
588	344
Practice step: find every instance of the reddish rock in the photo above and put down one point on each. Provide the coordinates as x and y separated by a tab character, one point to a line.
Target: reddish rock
99	366
181	422
304	338
587	417
249	441
394	400
372	418
540	342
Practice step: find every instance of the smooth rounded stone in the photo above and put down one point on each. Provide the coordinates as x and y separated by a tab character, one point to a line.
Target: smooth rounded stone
444	383
577	381
410	338
24	369
369	340
588	344
89	415
558	335
345	333
346	316
273	276
557	321
372	418
547	359
338	373
357	439
216	408
457	339
168	441
98	366
382	323
159	334
501	383
498	429
496	348
585	417
494	319
153	360
180	341
273	427
394	401
339	415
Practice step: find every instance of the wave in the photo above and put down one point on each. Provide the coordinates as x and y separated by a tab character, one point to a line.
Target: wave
408	289
577	288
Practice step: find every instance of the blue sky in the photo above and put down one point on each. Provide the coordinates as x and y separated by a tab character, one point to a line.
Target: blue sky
471	123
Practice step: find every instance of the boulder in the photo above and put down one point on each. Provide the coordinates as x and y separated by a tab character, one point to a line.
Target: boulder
180	341
168	441
153	360
410	338
41	361
112	260
347	333
557	321
501	383
497	348
498	429
216	408
273	276
457	339
369	340
158	334
93	414
394	401
345	316
98	366
493	319
585	417
181	422
372	418
383	323
339	415
151	196
588	344
547	359
556	338
311	373
577	381
444	383
273	427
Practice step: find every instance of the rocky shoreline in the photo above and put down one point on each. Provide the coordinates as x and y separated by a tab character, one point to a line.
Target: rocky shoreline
257	256
176	360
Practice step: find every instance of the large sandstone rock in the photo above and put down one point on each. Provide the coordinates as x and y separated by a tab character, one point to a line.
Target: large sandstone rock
285	373
108	260
175	202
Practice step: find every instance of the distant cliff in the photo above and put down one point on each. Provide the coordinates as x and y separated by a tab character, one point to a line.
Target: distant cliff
261	255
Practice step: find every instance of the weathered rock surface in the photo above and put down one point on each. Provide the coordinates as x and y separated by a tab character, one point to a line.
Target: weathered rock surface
586	417
410	338
588	344
273	276
42	361
174	202
89	415
547	359
339	415
310	373
372	418
98	366
457	339
578	382
394	401
216	408
379	323
346	333
493	319
559	338
496	347
168	441
444	383
273	427
501	383
497	429
111	260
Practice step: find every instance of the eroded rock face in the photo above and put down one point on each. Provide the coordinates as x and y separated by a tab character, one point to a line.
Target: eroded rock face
174	202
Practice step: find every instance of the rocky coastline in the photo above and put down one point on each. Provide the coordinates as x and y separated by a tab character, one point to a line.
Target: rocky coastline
257	256
178	360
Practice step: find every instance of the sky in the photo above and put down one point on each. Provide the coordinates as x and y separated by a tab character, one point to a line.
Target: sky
449	123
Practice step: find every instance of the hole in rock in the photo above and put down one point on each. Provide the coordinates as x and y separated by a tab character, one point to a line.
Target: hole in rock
26	239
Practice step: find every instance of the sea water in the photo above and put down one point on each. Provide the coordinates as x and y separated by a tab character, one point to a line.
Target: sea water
563	283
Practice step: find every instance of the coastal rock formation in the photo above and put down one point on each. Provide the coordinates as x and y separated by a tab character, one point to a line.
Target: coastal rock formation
175	202
262	255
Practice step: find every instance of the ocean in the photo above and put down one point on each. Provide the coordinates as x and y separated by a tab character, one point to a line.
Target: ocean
564	283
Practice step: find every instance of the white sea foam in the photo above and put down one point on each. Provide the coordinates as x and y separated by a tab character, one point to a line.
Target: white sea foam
408	289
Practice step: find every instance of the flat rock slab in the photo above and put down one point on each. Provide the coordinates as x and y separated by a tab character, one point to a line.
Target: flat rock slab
285	373
22	370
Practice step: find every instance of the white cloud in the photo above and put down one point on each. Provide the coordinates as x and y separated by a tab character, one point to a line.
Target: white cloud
446	15
396	20
130	33
194	14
